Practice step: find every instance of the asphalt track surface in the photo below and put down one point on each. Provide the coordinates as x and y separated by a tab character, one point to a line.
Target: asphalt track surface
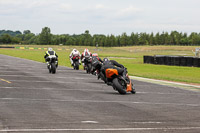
32	100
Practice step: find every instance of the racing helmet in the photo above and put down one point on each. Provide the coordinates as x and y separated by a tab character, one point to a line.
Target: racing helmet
86	50
74	50
95	54
50	49
105	59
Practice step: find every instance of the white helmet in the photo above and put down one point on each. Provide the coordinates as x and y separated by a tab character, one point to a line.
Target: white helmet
50	49
86	50
74	50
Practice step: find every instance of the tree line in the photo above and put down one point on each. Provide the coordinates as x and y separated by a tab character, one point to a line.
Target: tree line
86	39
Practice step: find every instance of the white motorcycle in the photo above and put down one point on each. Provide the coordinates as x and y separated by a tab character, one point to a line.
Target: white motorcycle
52	64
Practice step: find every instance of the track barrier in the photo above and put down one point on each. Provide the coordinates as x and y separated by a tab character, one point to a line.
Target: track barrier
6	47
189	61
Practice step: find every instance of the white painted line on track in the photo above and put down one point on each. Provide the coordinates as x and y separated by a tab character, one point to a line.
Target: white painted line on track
98	101
148	122
9	87
92	122
99	129
162	81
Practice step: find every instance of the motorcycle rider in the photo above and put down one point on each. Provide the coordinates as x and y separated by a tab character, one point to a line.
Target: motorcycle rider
112	64
95	61
48	53
85	53
96	57
74	52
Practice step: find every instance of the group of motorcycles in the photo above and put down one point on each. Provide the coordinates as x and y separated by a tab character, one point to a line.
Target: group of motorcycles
120	83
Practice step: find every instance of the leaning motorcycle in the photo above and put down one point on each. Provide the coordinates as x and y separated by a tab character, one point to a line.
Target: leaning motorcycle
88	63
53	64
96	67
76	62
122	84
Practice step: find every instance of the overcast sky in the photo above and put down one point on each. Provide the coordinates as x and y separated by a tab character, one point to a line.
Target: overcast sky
100	16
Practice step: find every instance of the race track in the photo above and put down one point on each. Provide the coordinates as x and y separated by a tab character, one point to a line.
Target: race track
32	100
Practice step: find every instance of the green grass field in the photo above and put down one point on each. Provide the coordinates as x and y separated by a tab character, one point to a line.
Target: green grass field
130	57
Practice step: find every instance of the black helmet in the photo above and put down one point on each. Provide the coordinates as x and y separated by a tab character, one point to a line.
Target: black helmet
105	59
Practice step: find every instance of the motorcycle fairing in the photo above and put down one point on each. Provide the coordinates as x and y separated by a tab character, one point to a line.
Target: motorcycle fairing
110	72
129	86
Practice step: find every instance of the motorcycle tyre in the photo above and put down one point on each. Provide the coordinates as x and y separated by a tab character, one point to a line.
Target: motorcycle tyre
76	65
49	67
89	68
53	68
49	70
118	86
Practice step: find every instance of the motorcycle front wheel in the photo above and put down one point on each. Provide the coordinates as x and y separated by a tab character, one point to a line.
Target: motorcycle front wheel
77	65
89	68
53	68
49	67
119	85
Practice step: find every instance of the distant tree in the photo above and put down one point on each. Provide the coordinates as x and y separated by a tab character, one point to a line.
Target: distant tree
9	32
167	38
26	32
144	39
87	38
151	39
6	39
16	40
124	39
113	41
174	38
195	38
45	36
157	39
28	37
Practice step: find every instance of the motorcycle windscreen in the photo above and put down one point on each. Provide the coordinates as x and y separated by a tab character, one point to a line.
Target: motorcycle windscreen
111	72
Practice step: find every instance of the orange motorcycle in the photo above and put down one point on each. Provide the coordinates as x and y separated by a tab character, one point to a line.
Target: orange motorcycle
122	84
